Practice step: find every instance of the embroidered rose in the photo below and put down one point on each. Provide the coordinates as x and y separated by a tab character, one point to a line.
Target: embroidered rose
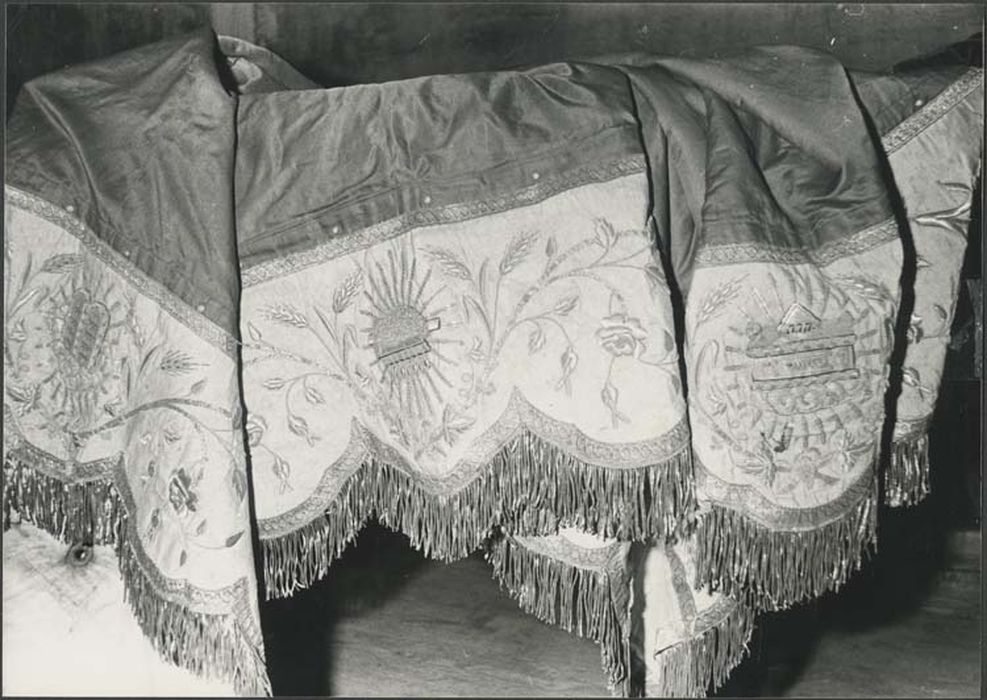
622	335
256	426
180	492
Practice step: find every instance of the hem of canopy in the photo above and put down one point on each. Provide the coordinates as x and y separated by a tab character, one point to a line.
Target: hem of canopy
592	603
776	569
906	480
692	667
531	487
209	645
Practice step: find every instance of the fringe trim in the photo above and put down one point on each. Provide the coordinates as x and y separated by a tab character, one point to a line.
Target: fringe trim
773	570
589	602
702	663
89	511
531	488
906	481
212	646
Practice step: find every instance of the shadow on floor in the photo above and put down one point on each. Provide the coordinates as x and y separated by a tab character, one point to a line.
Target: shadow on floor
299	631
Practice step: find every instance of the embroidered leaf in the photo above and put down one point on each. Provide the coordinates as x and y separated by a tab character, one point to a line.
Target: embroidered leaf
128	376
605	234
940	312
253	332
448	262
314	395
24	299
349	339
568	360
610	396
233	539
18	333
536	341
454	423
565	305
481	279
347	291
201	528
41	296
171	435
152	467
476	352
865	288
287	315
551	247
27	271
239	484
516	252
58	264
719	298
476	307
177	362
282	470
20	394
915	333
147	358
182	558
299	426
274	383
197	387
911	377
326	323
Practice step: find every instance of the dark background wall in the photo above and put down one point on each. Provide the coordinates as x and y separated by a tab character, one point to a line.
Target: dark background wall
346	43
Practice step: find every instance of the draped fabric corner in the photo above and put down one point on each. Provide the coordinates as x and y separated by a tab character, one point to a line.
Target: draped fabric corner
122	420
661	335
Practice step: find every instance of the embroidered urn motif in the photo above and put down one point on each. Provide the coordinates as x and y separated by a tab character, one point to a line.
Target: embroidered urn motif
803	347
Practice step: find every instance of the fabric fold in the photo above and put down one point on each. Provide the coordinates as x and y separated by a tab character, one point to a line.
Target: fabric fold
122	421
661	334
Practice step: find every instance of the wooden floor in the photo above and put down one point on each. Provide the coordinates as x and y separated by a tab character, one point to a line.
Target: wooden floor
389	623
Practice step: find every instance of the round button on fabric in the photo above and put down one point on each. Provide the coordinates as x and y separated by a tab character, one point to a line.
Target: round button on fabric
70	208
79	554
535	176
427	199
335	229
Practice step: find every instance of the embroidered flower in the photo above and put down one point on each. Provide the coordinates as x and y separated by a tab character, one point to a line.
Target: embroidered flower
180	492
622	335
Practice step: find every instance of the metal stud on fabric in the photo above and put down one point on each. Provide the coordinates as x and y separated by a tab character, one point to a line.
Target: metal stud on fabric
79	554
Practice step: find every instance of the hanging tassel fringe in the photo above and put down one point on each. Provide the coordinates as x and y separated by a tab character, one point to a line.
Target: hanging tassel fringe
212	646
773	570
906	481
702	663
592	603
531	488
89	511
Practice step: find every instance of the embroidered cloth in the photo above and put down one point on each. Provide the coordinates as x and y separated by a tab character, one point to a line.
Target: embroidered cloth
632	325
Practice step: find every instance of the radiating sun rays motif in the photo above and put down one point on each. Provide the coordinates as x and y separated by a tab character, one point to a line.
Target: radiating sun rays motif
403	331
